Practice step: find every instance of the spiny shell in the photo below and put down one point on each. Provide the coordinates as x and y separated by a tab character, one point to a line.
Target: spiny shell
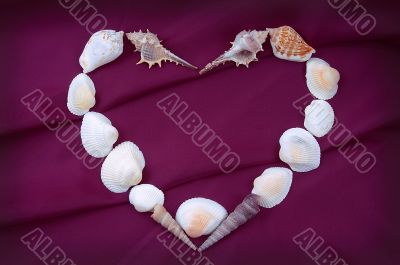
299	150
272	186
322	80
81	95
319	118
287	44
123	167
243	51
103	47
152	51
145	197
200	216
97	134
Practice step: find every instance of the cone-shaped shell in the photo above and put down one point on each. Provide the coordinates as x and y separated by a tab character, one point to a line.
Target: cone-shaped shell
81	95
322	80
319	118
123	167
145	197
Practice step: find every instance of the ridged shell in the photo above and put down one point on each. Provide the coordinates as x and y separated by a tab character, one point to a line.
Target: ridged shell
200	216
287	44
319	118
103	47
81	95
272	186
299	150
123	167
322	80
145	197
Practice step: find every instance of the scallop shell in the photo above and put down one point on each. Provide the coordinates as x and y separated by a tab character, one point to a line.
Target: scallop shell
81	95
319	118
272	186
145	197
243	51
123	167
200	216
152	51
97	134
287	44
322	80
299	150
103	47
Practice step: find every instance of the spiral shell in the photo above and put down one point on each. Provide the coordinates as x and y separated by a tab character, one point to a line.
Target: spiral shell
322	80
81	95
319	118
145	197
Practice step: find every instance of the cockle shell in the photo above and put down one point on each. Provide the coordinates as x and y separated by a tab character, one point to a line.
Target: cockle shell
243	51
123	167
145	197
152	51
97	134
319	118
287	44
322	80
299	150
200	216
272	186
81	95
103	47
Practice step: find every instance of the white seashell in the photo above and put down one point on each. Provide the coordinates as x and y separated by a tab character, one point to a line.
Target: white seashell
103	47
272	186
299	150
200	216
97	134
123	167
81	95
322	80
319	118
145	197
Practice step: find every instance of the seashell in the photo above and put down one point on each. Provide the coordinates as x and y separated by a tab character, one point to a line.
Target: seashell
287	44
81	94
243	51
103	47
152	51
242	213
322	80
162	217
299	150
145	197
319	118
272	186
123	167
200	216
97	134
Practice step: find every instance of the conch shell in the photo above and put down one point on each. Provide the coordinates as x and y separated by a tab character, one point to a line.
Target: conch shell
152	51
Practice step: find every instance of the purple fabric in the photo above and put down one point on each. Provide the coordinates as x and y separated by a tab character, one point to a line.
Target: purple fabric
45	186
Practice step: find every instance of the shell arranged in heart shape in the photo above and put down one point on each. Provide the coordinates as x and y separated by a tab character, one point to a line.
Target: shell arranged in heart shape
299	150
319	118
145	197
287	44
243	51
200	216
322	80
152	51
123	167
103	47
97	134
81	95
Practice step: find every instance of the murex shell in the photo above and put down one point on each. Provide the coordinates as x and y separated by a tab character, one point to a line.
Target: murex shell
200	216
287	44
103	47
123	167
81	95
272	186
145	197
322	80
319	118
97	134
243	51
152	51
299	150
